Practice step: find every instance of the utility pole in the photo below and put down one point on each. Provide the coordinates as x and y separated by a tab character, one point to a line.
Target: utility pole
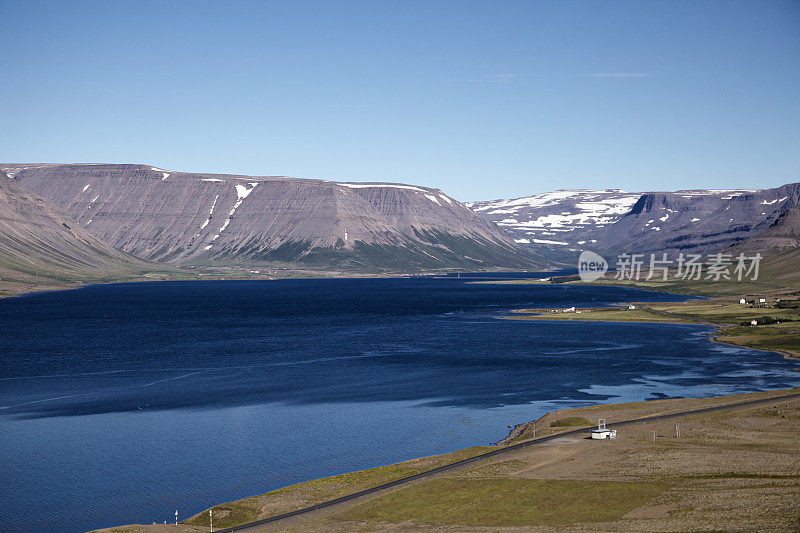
677	429
176	517
211	520
534	430
654	435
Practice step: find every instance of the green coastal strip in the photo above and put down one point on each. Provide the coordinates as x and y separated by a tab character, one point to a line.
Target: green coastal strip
776	327
673	473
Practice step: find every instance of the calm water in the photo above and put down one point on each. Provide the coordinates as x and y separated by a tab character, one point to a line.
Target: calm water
123	403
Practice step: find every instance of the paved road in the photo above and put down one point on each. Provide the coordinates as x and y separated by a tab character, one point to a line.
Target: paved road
487	455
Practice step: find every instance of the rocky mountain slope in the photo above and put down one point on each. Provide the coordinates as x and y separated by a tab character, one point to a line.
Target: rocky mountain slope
780	236
184	218
698	221
36	241
561	224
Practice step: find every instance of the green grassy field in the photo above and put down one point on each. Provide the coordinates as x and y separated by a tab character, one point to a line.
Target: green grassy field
303	494
778	324
609	314
508	502
571	422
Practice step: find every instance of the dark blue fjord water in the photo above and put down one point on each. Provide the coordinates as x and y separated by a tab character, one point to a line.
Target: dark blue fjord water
123	403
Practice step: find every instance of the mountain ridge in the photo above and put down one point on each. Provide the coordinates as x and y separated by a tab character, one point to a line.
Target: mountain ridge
688	221
561	224
179	218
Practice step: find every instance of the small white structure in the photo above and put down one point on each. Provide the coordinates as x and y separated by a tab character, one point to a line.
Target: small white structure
569	310
762	300
754	322
742	301
602	432
631	307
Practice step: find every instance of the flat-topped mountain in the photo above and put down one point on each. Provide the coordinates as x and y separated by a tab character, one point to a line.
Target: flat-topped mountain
181	218
698	221
186	218
560	224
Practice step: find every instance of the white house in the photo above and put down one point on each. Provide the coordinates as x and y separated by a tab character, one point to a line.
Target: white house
631	307
762	300
602	432
742	301
754	322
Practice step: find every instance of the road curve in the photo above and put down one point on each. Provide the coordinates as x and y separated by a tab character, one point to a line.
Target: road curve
488	455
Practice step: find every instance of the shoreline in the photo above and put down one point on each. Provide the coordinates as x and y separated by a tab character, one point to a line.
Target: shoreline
786	354
521	432
34	288
621	415
545	315
711	338
520	429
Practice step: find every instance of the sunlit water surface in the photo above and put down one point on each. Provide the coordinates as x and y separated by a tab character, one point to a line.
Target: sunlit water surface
122	403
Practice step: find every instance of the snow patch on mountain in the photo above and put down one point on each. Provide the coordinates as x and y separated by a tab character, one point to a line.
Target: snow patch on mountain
574	214
433	199
380	185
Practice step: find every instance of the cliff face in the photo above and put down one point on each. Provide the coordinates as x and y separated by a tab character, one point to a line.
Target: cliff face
698	221
176	217
559	225
37	240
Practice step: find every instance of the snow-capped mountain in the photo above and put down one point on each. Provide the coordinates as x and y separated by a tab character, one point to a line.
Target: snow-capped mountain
562	223
566	218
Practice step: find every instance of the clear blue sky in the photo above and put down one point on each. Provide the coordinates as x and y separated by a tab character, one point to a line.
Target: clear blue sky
482	99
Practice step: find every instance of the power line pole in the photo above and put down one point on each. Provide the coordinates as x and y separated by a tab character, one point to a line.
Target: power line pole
211	520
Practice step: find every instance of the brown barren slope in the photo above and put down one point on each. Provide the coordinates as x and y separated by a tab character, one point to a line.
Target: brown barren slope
179	217
41	248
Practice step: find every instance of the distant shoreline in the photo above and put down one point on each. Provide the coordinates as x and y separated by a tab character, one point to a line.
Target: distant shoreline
12	289
621	313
